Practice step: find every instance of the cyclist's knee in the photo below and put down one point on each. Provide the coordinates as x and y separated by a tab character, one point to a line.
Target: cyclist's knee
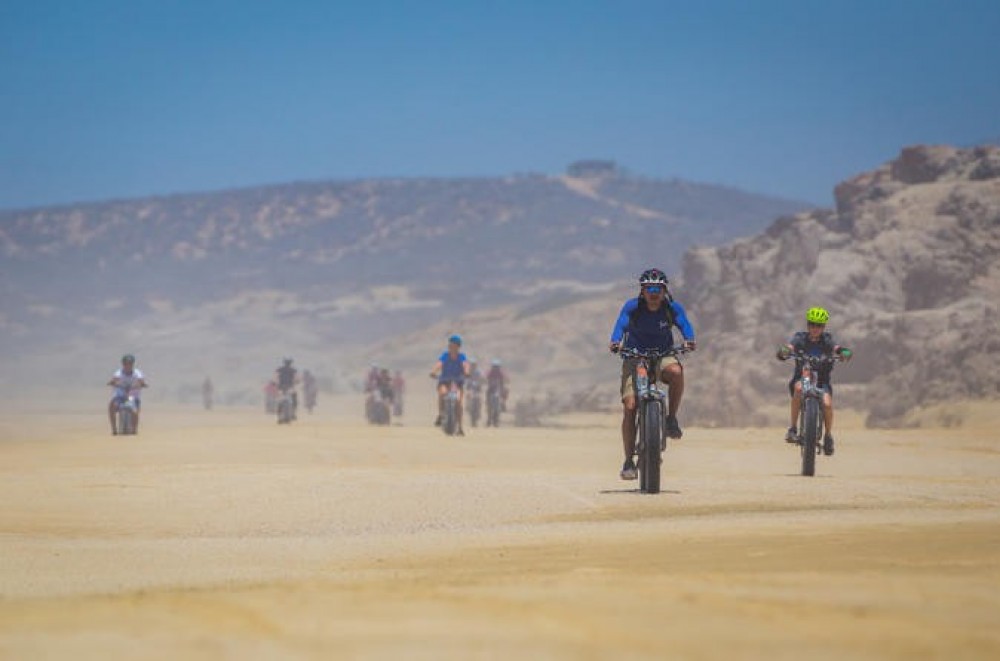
672	374
628	405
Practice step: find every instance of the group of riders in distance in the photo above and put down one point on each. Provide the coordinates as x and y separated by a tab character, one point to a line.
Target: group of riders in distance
384	393
281	392
459	381
460	385
642	335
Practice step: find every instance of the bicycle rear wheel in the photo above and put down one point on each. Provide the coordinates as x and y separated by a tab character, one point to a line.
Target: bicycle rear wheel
810	435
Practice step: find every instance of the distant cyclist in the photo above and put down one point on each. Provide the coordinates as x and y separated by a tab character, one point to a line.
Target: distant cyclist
451	368
309	389
287	379
814	341
127	380
398	389
474	390
270	396
498	382
207	393
371	379
385	385
646	322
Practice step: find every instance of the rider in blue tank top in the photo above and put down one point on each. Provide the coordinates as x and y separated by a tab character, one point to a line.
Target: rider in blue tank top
452	367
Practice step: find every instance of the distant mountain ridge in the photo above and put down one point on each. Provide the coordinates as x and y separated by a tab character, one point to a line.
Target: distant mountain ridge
339	263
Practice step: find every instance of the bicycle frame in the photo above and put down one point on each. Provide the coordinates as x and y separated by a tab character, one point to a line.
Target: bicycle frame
646	390
651	431
811	421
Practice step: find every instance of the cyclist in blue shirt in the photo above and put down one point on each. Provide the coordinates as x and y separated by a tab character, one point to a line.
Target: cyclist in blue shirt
646	322
452	367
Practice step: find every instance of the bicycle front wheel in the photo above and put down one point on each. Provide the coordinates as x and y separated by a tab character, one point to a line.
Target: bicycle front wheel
450	425
810	435
126	422
650	436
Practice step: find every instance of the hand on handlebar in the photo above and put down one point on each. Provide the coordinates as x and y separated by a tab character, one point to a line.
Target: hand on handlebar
614	347
690	345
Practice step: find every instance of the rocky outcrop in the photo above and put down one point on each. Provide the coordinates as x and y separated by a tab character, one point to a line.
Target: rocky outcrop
909	266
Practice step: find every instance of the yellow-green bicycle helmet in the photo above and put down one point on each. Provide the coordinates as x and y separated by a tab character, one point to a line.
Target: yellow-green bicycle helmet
817	316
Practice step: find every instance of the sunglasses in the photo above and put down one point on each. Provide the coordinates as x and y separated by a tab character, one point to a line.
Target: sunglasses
812	324
653	289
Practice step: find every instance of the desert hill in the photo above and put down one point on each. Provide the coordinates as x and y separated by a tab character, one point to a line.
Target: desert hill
343	274
226	283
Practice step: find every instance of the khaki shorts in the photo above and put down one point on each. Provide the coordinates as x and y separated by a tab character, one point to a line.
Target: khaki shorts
628	371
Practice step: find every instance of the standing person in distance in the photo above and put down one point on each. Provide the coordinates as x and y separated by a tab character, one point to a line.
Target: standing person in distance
207	392
309	389
646	322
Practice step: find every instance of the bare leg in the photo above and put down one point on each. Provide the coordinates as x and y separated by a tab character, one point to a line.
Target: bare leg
442	390
673	376
796	404
112	410
628	426
828	413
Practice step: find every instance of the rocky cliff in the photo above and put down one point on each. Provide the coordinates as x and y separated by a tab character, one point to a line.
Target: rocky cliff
908	265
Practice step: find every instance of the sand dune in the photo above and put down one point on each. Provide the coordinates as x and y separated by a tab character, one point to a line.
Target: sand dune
223	535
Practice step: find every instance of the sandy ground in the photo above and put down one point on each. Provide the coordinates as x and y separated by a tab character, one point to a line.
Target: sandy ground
221	535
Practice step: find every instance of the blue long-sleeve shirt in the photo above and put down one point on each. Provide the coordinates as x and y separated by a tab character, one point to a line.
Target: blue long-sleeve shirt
648	329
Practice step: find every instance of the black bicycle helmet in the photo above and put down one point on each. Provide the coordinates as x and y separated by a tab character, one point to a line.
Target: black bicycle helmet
653	277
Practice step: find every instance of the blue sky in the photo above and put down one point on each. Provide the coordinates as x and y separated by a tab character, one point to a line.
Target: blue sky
103	99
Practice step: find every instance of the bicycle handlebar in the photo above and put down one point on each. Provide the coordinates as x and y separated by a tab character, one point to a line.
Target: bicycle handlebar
801	357
675	350
135	385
